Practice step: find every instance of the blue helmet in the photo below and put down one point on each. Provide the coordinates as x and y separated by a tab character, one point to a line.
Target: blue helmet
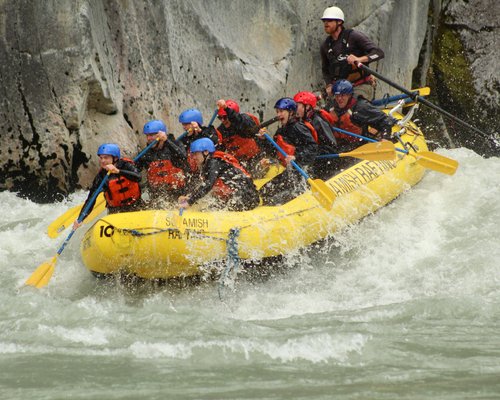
343	87
191	115
203	144
109	149
154	126
286	103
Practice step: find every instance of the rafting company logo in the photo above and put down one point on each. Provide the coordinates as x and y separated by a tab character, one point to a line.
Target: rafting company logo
191	223
350	180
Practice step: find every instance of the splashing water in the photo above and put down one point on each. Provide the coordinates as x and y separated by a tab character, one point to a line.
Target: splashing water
404	304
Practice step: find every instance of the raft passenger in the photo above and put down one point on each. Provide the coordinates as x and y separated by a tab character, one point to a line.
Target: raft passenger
238	131
309	113
192	123
357	115
223	176
166	164
121	191
297	140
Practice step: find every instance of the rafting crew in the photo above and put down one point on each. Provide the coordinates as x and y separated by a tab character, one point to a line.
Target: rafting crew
309	113
342	50
165	164
221	175
122	191
300	145
357	115
238	131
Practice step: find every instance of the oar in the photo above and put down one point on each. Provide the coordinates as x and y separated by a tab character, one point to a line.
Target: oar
371	151
44	272
65	220
320	190
426	159
425	91
421	100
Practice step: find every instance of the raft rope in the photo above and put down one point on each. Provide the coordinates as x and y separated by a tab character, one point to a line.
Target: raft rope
205	235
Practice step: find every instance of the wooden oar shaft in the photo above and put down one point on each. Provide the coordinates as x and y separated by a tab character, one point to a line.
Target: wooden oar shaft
420	99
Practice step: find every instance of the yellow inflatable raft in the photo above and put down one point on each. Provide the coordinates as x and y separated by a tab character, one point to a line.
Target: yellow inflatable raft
162	244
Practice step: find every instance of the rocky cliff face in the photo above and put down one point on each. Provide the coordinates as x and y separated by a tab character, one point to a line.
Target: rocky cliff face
463	70
75	74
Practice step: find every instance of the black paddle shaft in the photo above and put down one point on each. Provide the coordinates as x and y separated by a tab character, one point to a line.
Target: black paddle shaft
265	124
414	96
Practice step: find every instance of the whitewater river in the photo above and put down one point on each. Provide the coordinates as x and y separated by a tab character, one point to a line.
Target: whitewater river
403	305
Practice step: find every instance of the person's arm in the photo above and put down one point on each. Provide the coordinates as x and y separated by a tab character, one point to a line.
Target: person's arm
95	184
364	114
325	132
306	148
325	68
129	171
242	124
363	49
210	174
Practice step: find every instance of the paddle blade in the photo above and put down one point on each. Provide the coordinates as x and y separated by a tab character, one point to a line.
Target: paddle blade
99	207
42	274
324	194
63	222
66	220
373	151
436	162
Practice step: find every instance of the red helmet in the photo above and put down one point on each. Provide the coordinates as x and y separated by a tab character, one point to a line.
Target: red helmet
306	98
231	104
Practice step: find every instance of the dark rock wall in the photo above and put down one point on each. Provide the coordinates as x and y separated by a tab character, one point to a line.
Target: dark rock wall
78	73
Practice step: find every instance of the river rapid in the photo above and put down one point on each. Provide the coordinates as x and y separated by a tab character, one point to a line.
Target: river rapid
404	304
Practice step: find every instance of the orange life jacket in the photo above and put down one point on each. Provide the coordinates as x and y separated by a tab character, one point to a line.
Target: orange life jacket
163	173
241	147
290	148
314	134
345	123
122	191
287	148
327	116
220	189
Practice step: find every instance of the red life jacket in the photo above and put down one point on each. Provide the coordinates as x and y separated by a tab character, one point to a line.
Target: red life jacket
314	134
163	173
287	148
327	116
345	123
220	189
290	148
241	147
121	191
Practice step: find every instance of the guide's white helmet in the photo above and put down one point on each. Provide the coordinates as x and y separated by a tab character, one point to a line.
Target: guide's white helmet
333	13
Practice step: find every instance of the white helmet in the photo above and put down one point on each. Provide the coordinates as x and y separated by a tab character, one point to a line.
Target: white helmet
333	13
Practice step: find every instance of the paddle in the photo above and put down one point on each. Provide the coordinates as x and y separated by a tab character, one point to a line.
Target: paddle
372	151
66	220
426	159
421	100
44	272
385	101
320	190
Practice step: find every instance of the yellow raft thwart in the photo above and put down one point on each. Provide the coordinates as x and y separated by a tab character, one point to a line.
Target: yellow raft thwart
162	244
